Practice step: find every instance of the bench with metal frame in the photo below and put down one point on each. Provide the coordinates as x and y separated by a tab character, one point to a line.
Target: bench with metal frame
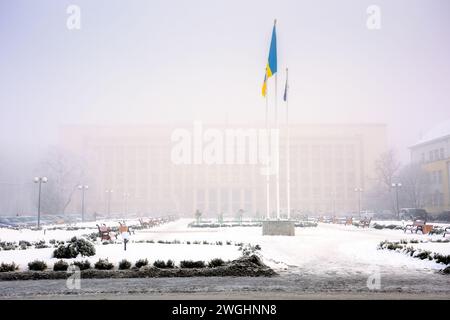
416	226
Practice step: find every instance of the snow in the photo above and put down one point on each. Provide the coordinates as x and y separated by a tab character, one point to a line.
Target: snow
439	131
327	248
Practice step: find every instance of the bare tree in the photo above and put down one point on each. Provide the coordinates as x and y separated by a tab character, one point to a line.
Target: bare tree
415	185
65	172
387	168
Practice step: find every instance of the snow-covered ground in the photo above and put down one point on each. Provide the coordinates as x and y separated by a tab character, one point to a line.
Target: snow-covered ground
325	249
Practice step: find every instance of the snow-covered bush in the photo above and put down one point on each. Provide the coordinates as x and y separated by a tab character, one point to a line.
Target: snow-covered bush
249	250
161	264
170	264
192	264
8	267
23	243
141	263
124	264
41	245
103	264
60	265
424	255
73	248
410	251
37	265
216	263
8	245
442	258
82	265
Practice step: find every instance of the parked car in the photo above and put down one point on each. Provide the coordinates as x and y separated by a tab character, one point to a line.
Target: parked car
385	215
413	214
442	217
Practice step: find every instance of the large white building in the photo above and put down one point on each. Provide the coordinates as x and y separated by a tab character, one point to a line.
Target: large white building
327	163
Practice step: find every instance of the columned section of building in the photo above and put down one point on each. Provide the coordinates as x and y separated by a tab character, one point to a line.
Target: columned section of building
327	163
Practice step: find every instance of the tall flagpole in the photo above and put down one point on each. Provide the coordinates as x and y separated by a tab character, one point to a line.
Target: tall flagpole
277	154
277	164
268	155
288	147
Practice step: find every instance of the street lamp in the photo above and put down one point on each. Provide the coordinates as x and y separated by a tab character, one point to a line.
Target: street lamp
397	186
40	180
359	190
109	193
83	188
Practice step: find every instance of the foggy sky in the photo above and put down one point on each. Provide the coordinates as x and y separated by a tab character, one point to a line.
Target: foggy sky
137	62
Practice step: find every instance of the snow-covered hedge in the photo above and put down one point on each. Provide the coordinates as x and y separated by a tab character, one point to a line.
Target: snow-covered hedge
74	248
402	246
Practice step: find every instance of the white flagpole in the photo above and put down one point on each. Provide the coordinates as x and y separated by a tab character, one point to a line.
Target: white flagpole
277	156
268	154
288	159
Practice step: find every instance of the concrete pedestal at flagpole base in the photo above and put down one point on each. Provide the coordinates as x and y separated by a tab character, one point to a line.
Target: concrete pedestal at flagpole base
278	228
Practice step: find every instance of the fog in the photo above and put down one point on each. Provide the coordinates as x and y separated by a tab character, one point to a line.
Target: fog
149	63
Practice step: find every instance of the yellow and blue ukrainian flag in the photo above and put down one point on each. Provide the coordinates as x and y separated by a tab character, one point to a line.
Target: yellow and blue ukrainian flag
271	67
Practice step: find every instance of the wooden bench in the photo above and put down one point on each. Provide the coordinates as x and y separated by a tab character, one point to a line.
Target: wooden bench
446	231
104	232
124	228
365	223
416	226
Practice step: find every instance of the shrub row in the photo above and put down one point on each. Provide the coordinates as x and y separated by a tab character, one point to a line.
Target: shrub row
104	264
413	252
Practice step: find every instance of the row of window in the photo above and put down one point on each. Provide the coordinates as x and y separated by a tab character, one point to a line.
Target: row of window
434	155
435	177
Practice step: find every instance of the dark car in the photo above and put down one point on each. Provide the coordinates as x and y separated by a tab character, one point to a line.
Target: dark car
413	214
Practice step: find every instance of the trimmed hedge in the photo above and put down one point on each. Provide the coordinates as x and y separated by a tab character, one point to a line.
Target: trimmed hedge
37	265
8	267
192	264
60	265
124	264
82	265
141	263
216	263
103	264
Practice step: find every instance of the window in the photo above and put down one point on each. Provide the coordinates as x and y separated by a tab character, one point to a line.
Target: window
431	155
436	154
423	157
441	153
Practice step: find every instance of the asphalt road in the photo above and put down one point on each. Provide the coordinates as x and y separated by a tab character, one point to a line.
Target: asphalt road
288	285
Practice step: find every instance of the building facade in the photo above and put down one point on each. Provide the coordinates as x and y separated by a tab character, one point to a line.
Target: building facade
327	163
433	153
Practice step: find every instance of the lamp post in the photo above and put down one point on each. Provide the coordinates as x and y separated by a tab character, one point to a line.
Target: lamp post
397	186
83	188
40	180
109	193
359	190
